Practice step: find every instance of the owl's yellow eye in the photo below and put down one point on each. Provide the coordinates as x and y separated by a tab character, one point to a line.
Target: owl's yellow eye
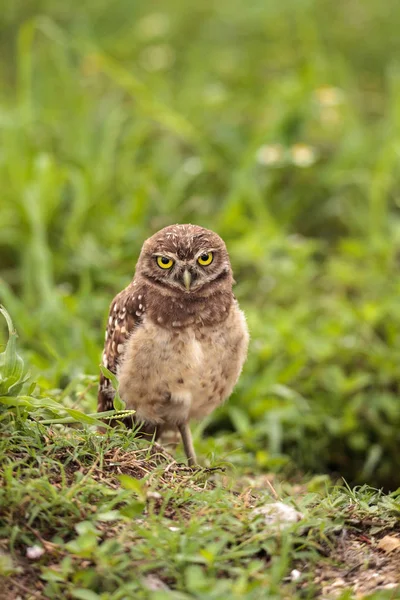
205	259
164	262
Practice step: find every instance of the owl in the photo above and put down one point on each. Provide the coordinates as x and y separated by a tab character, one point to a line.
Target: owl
176	338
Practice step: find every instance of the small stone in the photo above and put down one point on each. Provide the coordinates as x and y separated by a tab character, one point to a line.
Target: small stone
153	495
154	583
338	583
295	575
389	543
34	552
390	586
278	514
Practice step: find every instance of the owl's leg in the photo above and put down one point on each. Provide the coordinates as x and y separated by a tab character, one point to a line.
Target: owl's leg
186	436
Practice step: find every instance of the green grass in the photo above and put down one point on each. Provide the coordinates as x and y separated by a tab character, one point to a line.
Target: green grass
113	520
277	125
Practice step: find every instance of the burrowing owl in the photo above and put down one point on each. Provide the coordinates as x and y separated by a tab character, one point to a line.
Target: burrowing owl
176	338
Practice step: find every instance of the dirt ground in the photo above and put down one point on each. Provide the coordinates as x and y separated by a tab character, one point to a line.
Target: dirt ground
362	558
362	564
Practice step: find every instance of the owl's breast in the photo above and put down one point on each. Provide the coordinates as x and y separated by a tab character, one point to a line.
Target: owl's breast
169	376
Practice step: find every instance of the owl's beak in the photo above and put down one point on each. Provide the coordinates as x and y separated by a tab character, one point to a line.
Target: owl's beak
187	279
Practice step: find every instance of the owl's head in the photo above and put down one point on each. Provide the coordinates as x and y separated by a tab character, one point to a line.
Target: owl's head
186	259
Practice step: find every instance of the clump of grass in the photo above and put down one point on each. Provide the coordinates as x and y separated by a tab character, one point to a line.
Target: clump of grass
110	517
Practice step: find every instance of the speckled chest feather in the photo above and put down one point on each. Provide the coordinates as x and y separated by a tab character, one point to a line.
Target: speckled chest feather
172	375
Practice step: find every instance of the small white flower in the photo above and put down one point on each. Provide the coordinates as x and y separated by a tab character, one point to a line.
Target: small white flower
173	528
34	552
302	155
270	154
328	95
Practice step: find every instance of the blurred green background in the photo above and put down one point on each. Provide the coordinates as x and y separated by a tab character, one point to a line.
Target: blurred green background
277	124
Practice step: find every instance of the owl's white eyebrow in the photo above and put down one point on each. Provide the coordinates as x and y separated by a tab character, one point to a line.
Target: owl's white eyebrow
167	254
204	251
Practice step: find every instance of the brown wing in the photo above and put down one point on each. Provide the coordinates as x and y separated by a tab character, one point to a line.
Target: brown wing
126	313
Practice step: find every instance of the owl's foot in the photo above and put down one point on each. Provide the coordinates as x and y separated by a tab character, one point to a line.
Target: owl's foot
186	436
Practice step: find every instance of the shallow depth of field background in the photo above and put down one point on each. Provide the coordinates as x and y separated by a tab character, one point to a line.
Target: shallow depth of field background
277	124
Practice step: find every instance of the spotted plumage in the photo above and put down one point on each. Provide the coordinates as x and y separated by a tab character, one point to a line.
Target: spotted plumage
176	338
126	311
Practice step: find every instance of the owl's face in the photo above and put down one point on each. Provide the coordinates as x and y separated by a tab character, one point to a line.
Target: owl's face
186	259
